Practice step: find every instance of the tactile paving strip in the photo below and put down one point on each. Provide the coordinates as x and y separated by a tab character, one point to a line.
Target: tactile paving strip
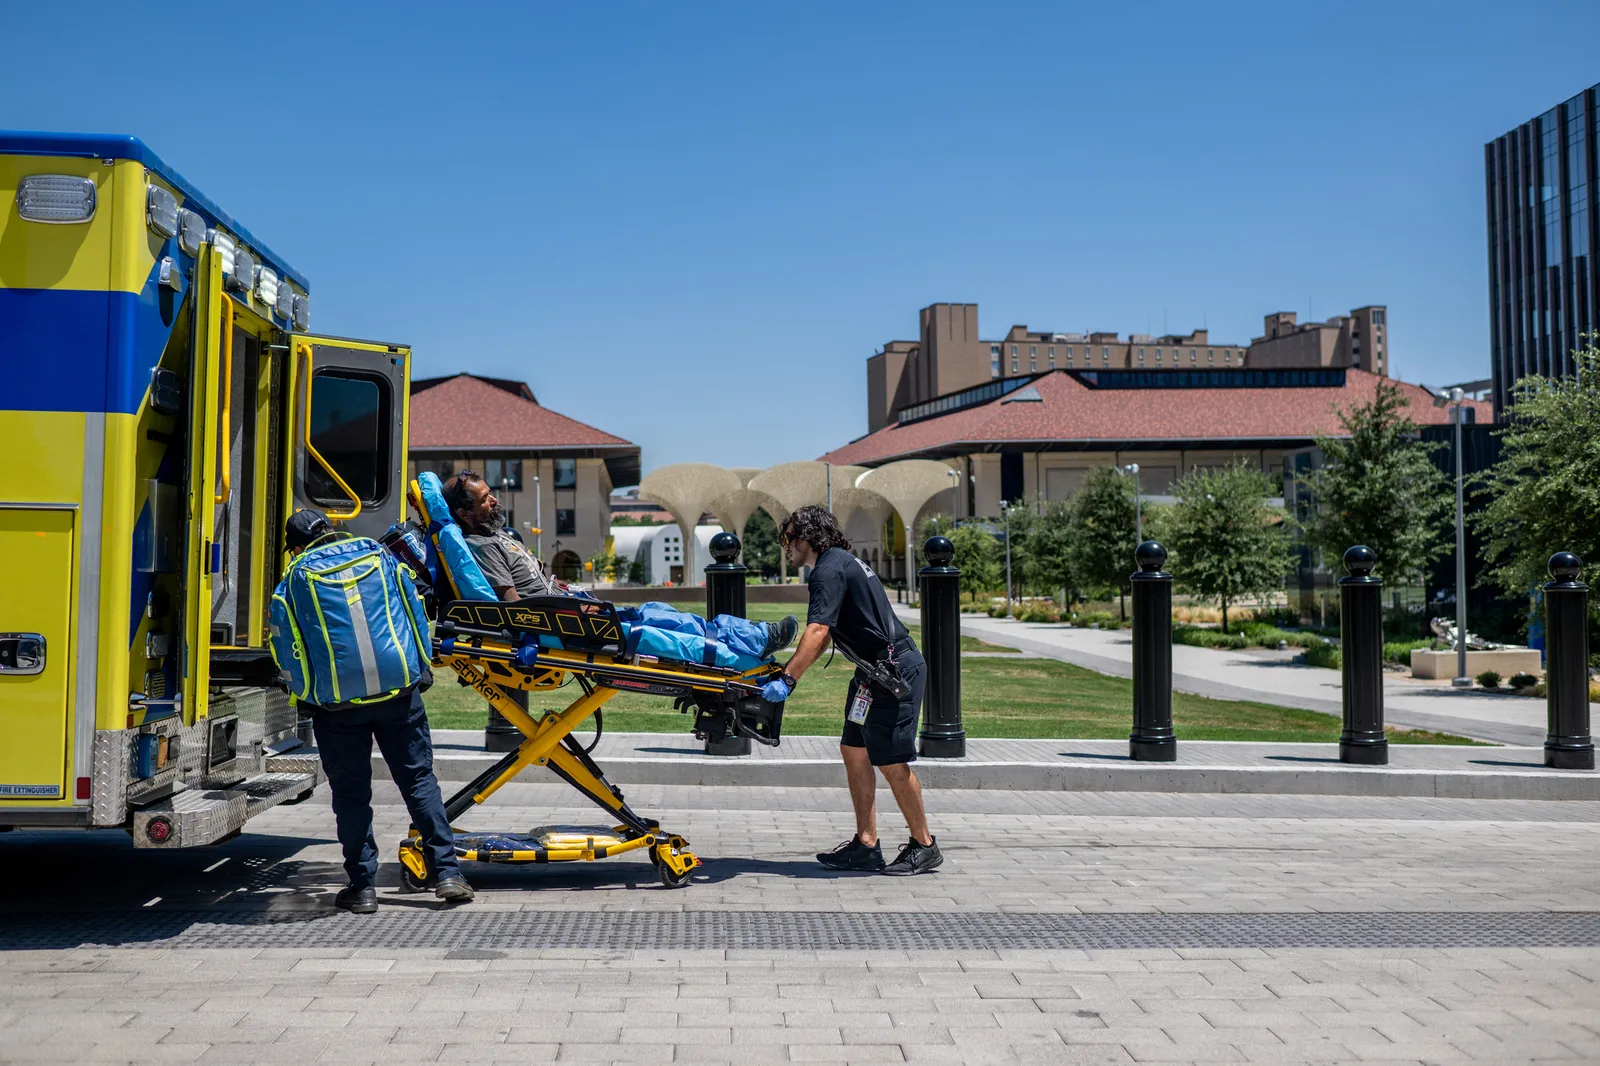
803	930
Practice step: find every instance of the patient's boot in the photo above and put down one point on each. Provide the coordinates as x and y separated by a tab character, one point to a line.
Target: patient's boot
779	635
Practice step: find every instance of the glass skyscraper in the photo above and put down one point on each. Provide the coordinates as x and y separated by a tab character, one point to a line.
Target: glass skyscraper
1544	292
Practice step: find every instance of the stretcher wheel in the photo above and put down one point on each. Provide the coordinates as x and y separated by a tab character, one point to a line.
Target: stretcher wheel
413	883
670	879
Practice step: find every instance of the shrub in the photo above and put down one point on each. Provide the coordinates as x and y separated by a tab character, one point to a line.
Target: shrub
1104	619
1208	638
1039	612
1523	680
1399	651
1489	679
1324	654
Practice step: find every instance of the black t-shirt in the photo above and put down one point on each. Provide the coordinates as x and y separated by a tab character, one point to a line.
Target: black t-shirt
847	597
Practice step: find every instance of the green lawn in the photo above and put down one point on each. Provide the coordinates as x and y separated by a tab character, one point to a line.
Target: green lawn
1000	698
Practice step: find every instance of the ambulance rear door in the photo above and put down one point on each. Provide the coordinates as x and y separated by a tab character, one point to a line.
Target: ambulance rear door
348	431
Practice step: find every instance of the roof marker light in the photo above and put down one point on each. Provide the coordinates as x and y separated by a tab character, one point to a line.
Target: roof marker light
225	248
161	211
58	198
191	232
302	312
267	286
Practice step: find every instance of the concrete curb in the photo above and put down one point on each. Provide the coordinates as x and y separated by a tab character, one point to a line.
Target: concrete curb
1333	780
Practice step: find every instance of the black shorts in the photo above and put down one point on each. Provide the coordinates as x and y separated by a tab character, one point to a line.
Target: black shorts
890	732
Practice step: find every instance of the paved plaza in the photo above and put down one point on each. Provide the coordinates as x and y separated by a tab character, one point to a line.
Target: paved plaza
1064	927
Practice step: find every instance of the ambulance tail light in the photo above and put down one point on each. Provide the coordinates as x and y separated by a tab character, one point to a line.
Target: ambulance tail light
243	277
161	211
267	286
225	248
58	198
191	231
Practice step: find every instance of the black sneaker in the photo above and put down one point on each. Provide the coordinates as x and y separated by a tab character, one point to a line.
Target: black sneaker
916	858
780	635
453	888
357	900
853	855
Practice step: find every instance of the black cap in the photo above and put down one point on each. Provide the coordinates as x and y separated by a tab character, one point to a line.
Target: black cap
304	527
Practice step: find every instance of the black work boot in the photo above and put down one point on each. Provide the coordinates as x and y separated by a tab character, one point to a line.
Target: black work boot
853	855
916	858
780	635
357	900
453	888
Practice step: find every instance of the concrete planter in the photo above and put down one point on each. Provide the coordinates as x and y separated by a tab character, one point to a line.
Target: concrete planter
1505	662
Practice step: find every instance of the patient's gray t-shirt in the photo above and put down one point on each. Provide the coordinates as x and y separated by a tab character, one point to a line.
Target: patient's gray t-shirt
507	564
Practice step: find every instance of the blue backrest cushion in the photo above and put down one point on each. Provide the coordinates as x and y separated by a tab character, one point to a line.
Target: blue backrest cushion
454	554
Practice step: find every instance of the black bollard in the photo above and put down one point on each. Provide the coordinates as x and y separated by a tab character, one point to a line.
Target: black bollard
1361	660
1567	743
499	734
942	736
725	595
1152	739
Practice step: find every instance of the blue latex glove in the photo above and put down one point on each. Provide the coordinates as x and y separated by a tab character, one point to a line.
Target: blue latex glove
776	691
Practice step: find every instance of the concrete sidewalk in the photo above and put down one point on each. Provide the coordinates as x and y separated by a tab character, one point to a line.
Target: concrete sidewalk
1273	677
1442	771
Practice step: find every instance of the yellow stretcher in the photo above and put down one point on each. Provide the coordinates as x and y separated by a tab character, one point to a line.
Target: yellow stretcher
500	647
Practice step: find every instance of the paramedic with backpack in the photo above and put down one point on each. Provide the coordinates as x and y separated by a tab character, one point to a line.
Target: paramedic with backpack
349	633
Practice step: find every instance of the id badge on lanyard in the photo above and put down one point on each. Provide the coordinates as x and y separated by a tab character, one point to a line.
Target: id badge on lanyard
859	704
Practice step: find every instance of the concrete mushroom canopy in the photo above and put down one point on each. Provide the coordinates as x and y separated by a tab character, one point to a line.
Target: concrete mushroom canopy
734	509
687	490
908	485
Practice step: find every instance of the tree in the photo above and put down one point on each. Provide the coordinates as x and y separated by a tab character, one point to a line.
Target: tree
603	566
1544	493
1380	488
760	539
1226	541
1047	550
1102	536
977	556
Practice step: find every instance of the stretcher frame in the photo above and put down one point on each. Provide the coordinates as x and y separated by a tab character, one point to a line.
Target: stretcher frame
493	647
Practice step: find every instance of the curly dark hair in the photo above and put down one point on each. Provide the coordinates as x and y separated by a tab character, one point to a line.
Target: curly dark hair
816	526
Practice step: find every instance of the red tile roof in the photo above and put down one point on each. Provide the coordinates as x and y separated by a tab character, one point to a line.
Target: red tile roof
1069	410
467	412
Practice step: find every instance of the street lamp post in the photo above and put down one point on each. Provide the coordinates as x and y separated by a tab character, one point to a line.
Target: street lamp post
1132	470
1461	679
538	516
1005	514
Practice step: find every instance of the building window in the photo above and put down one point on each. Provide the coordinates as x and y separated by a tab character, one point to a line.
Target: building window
1033	364
1033	351
504	475
566	522
1141	355
1377	318
994	361
1191	357
1105	355
566	474
1013	351
1052	357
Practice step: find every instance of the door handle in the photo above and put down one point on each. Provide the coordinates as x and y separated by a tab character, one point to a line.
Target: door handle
21	654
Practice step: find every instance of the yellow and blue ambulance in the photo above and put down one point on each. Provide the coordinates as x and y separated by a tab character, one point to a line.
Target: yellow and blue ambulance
163	410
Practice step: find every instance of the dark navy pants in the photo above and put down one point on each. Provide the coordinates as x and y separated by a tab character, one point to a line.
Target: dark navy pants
400	726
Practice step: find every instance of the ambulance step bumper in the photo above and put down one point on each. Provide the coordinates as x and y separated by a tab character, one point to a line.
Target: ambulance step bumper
197	817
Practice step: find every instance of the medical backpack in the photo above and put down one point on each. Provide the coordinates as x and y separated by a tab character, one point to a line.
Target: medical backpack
348	625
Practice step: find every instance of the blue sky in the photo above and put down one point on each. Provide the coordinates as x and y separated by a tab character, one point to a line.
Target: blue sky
690	224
